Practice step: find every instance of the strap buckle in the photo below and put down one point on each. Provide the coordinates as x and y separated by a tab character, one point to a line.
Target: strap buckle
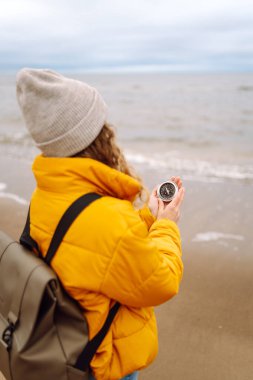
7	336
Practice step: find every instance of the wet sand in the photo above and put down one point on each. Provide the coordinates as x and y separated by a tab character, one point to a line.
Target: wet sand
206	331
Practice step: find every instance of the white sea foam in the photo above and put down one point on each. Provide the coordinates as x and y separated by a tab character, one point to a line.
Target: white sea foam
14	197
213	235
17	138
2	186
194	169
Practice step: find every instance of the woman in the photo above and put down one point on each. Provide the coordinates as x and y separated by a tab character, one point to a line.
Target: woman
112	252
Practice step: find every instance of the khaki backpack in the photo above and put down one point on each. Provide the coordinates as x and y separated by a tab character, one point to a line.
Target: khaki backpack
43	331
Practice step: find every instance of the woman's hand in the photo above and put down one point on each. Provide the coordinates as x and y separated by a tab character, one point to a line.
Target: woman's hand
166	210
171	210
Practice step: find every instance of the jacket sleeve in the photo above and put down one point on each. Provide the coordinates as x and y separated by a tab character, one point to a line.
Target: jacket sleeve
146	267
146	215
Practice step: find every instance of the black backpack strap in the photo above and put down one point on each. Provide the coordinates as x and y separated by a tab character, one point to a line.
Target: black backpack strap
84	359
26	240
65	222
67	219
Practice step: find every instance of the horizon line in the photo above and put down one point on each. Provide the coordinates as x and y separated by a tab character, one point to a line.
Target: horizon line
129	69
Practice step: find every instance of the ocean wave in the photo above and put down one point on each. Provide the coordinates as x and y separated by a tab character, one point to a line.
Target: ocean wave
195	169
213	235
21	145
201	142
14	197
18	138
2	186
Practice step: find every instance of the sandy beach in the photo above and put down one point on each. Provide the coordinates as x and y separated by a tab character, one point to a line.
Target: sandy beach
206	331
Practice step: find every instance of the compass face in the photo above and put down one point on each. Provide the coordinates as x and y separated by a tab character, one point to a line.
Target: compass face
167	191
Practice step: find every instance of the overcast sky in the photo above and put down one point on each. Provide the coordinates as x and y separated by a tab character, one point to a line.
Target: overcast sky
175	35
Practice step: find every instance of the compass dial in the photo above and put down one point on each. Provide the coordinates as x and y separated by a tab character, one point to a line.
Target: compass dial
167	191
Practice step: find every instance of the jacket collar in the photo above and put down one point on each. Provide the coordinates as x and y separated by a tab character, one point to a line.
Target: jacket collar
82	175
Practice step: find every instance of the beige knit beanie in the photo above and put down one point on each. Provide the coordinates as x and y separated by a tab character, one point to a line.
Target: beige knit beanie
63	115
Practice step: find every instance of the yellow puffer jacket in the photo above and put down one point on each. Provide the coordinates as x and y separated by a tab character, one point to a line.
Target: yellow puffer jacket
111	252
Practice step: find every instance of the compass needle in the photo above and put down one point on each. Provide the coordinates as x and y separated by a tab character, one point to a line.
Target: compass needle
167	191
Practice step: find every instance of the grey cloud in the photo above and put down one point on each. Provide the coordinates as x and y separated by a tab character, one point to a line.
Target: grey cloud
85	37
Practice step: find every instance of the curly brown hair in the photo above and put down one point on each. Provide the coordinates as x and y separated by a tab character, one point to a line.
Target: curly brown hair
105	149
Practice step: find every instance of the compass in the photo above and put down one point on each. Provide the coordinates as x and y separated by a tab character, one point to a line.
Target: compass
167	191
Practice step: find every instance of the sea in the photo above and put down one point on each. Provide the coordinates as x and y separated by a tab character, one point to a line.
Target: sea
197	126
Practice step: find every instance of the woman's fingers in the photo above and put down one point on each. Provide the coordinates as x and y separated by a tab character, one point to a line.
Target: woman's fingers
154	191
177	201
160	204
177	180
